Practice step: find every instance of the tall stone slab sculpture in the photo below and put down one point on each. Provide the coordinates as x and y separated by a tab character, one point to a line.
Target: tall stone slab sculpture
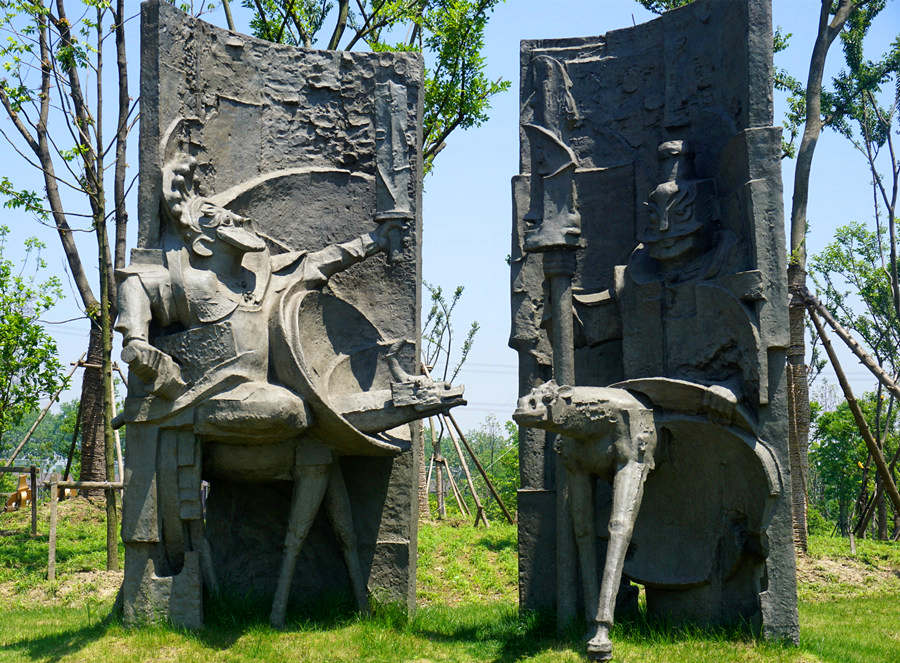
270	321
648	280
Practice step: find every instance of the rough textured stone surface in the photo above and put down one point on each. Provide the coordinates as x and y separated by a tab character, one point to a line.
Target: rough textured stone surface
269	315
679	297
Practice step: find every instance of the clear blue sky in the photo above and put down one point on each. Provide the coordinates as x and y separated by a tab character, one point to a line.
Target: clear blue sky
467	210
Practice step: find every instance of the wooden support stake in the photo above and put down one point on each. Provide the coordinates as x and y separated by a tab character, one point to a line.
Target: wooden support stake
481	469
814	305
54	500
428	480
105	485
460	502
119	463
883	472
479	509
34	496
438	459
42	415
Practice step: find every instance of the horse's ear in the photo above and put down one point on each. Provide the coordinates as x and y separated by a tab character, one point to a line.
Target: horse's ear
566	392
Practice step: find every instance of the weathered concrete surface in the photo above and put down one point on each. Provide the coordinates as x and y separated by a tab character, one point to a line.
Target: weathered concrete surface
277	276
682	103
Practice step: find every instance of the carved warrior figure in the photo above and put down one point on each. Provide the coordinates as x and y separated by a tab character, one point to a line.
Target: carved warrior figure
210	332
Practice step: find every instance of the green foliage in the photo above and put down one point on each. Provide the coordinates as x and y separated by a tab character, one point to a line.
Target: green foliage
29	367
498	451
816	523
437	334
850	271
49	444
838	456
662	6
449	33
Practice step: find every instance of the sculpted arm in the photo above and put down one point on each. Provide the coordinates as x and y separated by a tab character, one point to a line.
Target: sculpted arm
319	266
143	295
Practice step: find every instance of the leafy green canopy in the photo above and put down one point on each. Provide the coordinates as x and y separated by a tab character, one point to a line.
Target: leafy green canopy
838	455
850	274
29	366
449	33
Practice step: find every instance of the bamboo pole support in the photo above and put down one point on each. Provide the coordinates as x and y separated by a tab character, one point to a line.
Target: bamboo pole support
119	463
74	442
479	507
439	477
43	414
886	479
428	480
814	305
463	509
34	496
481	470
51	553
105	485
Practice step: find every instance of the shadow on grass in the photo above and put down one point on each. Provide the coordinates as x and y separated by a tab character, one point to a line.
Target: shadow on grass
229	616
55	646
495	632
507	542
515	635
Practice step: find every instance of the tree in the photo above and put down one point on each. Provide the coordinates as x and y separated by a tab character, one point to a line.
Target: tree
851	276
50	441
29	368
450	33
52	90
499	449
841	464
437	349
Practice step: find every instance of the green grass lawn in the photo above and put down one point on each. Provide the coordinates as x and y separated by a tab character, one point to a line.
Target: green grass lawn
467	612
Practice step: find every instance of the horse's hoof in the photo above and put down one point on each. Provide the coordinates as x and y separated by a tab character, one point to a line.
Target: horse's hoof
599	654
599	647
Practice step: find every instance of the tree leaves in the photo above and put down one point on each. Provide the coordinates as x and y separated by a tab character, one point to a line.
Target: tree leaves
29	366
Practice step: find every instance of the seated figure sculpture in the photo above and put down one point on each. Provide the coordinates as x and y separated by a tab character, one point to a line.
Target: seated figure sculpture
209	331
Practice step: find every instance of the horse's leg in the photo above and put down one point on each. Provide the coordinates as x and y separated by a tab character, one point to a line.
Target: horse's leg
200	543
628	489
581	503
337	505
310	482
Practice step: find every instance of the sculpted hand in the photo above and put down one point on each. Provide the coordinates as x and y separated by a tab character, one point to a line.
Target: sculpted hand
154	367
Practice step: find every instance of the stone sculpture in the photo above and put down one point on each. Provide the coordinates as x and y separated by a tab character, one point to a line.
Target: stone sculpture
659	295
608	433
248	362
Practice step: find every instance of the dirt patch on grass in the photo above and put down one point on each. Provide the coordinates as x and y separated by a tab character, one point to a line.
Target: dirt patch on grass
70	589
827	578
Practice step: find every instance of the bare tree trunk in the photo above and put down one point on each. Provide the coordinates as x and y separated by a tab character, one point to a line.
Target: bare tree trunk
798	413
93	451
798	389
